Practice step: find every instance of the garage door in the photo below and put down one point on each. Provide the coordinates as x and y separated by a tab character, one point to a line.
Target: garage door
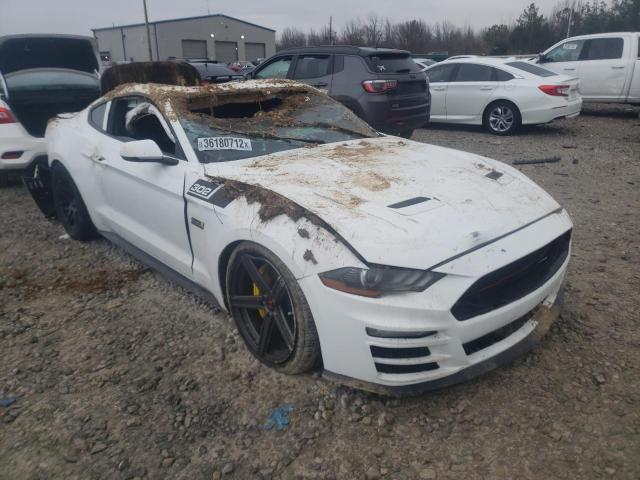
194	49
226	52
254	50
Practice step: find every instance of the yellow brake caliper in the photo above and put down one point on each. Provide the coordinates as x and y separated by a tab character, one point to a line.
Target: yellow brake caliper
256	291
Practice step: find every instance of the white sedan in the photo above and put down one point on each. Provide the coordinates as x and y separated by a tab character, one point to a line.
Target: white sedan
500	94
392	265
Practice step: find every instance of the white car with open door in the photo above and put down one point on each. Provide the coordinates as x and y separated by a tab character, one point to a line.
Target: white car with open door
41	76
500	94
395	265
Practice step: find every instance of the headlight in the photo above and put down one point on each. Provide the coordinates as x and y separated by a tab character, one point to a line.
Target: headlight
374	282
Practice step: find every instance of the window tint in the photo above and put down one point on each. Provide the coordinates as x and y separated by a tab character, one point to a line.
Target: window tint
338	63
96	117
533	69
501	75
310	66
469	72
392	63
144	127
602	49
441	73
567	52
276	69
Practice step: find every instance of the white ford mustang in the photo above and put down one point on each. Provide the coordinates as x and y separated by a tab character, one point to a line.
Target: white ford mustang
396	266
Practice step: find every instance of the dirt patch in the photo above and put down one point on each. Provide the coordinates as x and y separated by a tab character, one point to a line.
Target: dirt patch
303	232
309	257
372	181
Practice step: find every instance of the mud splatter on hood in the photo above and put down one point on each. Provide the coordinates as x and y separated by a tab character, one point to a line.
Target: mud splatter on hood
351	186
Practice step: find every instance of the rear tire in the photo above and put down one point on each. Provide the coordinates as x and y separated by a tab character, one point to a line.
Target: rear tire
4	179
502	118
406	134
69	206
270	310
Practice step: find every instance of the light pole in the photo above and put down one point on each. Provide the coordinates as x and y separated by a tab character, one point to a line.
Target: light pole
146	23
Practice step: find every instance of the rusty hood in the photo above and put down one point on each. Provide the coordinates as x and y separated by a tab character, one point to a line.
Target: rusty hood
399	202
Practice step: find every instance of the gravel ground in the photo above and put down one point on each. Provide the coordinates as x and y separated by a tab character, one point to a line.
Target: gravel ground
120	374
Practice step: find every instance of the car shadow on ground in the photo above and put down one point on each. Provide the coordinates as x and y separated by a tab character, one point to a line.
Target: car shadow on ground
546	129
611	110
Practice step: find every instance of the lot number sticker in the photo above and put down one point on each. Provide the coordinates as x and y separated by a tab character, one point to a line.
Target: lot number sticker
224	143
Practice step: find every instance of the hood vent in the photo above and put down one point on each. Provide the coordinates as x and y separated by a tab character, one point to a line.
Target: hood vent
409	202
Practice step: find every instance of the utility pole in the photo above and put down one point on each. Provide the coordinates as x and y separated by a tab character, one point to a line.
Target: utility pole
570	20
146	23
330	30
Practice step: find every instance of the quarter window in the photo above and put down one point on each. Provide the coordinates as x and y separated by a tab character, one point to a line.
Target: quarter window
96	117
276	69
501	75
309	66
602	49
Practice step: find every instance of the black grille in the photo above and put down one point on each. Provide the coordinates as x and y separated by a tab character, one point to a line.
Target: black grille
496	336
410	352
421	367
513	281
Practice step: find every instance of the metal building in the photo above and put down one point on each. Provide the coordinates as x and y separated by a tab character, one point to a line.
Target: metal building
217	37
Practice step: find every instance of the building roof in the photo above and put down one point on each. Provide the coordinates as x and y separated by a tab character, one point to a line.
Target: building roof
158	22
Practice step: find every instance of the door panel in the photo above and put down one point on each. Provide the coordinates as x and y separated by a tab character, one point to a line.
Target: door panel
145	201
439	81
563	59
602	68
469	92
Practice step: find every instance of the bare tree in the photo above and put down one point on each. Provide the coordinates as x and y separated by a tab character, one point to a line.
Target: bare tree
353	33
373	30
291	37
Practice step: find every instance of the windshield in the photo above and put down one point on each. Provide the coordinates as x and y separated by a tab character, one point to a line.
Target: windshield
245	129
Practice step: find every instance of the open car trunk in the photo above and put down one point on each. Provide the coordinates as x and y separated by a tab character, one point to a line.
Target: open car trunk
46	75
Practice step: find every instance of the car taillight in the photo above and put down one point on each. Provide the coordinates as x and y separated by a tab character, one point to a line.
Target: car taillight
5	116
556	90
379	86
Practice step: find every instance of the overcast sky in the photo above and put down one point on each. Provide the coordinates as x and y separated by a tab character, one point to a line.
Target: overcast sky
80	16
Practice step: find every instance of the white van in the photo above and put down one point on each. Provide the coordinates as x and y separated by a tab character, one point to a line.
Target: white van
607	64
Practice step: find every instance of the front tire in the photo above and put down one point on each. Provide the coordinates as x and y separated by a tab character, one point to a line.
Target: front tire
69	206
502	118
270	310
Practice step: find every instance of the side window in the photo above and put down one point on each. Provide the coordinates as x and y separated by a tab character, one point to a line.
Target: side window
338	63
441	73
276	69
501	75
469	72
602	49
96	116
134	118
311	66
567	52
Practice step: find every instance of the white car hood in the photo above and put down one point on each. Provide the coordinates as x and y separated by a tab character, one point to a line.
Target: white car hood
350	186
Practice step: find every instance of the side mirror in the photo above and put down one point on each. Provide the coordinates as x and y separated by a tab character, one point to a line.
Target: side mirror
145	151
542	58
248	75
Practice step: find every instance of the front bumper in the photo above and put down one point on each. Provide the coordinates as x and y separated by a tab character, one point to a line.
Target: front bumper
447	350
543	317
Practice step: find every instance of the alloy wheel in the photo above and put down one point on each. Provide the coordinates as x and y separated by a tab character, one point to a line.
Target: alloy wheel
501	118
263	309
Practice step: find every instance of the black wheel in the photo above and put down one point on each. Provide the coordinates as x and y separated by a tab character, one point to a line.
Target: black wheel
69	206
270	310
501	118
4	179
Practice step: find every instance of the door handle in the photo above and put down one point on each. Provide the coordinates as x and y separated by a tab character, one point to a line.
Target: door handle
98	158
486	88
439	89
617	68
321	84
569	69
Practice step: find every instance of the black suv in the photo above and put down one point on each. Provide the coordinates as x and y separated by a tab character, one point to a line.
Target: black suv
382	86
